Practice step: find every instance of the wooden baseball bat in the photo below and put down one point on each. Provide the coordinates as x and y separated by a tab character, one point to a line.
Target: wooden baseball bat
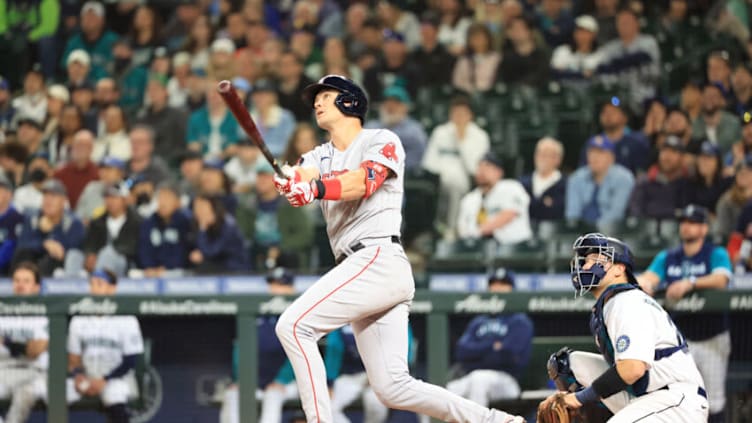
233	101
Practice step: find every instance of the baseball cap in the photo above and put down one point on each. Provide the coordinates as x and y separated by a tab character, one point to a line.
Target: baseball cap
59	92
673	142
116	190
30	120
180	59
502	275
694	213
280	275
707	148
216	164
4	84
223	45
262	166
390	35
110	161
80	56
490	157
586	22
601	142
101	274
54	186
94	7
397	93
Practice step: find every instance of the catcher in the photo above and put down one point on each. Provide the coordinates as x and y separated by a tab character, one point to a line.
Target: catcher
646	373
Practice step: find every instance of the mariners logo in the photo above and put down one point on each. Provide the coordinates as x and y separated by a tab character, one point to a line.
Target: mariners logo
622	343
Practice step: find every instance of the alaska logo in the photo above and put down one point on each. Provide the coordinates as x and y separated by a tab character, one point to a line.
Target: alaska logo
390	152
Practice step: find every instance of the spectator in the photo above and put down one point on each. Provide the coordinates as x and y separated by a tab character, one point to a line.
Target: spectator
493	351
730	204
145	34
475	70
497	208
57	97
111	239
334	62
631	148
393	16
28	197
212	129
49	234
432	57
663	190
198	43
180	83
241	169
30	133
278	232
302	43
11	222
355	17
80	170
25	341
77	67
221	66
741	148
655	121
678	124
718	71
393	115
708	183
7	110
578	60
235	29
690	100
219	245
191	165
598	193
546	186
454	151
177	28
741	83
59	144
114	142
142	194
131	78
36	23
163	243
714	123
556	22
13	157
214	182
83	97
167	121
392	68
303	140
94	38
33	101
144	164
292	80
496	16
106	93
605	15
371	36
454	26
91	203
697	264
326	14
633	59
274	123
525	61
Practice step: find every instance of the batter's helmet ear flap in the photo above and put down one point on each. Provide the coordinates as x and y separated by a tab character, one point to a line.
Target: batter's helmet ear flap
351	100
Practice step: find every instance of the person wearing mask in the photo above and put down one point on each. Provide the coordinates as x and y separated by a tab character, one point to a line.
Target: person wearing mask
546	186
28	197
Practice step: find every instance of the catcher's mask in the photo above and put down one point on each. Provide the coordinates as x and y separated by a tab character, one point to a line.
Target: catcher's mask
608	250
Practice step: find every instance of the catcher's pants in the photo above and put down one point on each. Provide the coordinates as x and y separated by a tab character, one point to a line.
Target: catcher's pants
372	289
272	403
13	385
485	386
712	357
346	389
679	403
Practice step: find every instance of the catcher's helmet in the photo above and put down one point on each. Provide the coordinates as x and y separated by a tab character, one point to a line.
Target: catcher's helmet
612	249
351	100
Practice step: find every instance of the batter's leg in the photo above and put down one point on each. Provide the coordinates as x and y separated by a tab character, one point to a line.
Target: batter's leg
368	282
382	342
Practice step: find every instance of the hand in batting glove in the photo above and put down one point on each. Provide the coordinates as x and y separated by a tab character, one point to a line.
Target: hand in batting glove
302	193
284	185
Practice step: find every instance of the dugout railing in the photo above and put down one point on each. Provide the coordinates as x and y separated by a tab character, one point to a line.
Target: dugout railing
436	307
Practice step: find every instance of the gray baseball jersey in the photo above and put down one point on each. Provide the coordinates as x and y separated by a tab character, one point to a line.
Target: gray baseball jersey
378	216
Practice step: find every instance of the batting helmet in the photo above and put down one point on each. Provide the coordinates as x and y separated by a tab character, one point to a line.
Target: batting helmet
351	100
612	249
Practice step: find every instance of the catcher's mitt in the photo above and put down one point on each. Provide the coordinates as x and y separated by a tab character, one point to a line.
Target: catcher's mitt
556	411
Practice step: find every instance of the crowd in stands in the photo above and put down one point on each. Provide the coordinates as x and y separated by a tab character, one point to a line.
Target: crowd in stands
117	151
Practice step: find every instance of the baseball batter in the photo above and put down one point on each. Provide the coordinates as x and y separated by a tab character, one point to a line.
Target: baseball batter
646	373
23	347
358	178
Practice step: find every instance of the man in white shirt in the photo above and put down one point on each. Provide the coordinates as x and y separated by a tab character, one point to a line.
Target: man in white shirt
497	207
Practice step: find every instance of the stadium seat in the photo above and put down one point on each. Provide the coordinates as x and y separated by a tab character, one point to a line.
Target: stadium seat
421	202
527	256
459	256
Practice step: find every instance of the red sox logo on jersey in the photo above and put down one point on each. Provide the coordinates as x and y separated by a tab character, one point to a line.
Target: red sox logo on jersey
389	151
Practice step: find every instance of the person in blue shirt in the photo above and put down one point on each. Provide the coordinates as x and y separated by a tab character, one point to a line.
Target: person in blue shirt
697	264
494	350
163	242
11	222
275	123
347	378
49	234
220	247
599	192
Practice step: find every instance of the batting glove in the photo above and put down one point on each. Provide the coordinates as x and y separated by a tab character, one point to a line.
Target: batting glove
302	193
284	185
